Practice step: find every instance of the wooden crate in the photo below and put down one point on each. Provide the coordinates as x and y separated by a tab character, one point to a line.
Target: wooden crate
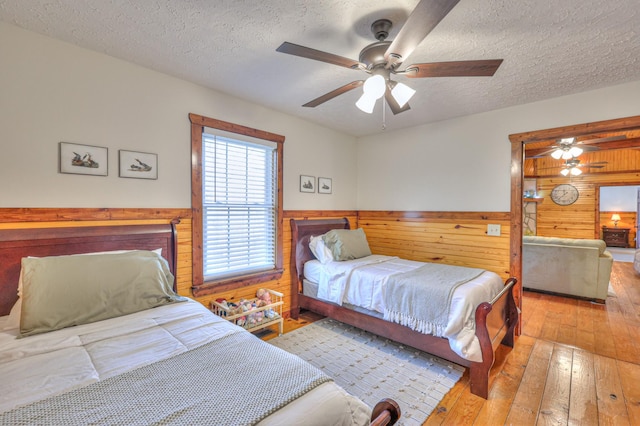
252	317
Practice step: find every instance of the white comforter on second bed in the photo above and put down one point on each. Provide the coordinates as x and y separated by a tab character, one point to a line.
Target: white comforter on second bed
363	282
39	366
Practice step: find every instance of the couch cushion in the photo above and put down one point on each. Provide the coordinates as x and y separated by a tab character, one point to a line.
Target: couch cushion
571	242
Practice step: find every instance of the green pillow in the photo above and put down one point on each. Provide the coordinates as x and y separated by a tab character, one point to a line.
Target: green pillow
347	244
63	291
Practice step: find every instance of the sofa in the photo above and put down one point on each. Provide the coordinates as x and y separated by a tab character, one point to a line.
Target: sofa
567	266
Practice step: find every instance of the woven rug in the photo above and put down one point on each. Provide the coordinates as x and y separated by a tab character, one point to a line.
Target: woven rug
372	368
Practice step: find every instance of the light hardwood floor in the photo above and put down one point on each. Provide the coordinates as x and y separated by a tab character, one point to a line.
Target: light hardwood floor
576	363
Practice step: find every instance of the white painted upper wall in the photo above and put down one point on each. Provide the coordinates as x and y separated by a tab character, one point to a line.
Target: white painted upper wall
464	164
52	91
619	198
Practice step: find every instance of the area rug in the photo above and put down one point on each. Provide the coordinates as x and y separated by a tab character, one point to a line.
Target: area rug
373	368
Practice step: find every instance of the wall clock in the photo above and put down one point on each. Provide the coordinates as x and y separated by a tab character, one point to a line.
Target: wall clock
564	194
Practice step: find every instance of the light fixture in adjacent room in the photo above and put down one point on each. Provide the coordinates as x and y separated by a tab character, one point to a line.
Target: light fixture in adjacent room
615	218
567	150
573	171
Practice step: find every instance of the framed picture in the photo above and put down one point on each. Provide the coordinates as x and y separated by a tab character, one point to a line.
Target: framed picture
83	159
139	165
324	185
307	183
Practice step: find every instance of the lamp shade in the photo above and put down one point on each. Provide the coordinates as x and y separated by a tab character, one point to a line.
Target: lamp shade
557	153
615	217
402	93
575	151
375	86
366	103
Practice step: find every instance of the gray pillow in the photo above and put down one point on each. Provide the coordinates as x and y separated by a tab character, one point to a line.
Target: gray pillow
347	244
63	291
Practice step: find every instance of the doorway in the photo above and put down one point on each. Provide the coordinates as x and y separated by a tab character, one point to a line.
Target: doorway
518	142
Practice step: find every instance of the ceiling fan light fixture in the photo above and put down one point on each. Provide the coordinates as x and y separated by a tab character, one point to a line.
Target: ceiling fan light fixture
575	151
557	153
402	93
575	171
564	172
566	155
366	103
374	86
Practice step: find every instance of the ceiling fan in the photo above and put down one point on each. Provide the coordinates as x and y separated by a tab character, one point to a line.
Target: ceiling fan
568	148
573	166
383	58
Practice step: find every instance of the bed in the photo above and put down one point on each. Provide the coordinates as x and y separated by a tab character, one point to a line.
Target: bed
493	320
139	354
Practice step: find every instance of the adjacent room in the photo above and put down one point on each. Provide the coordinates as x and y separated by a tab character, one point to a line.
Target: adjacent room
327	213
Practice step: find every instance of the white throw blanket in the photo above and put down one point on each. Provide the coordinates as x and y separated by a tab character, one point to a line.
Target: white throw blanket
364	282
421	299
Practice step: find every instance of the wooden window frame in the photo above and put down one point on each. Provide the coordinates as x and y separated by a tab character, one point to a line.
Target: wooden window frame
200	287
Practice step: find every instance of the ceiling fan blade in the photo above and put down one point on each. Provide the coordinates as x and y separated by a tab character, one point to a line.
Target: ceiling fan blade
538	153
318	55
480	68
393	104
339	91
424	18
599	140
597	163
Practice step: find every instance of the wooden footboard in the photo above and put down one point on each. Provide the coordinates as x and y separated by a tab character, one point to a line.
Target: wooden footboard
386	412
495	320
495	325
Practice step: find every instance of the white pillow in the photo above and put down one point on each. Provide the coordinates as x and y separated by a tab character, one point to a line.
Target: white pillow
320	250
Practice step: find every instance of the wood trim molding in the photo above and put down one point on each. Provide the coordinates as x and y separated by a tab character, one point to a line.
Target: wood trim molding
198	123
22	215
585	129
434	216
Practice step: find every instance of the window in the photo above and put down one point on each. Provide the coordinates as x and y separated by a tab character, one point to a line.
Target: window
236	205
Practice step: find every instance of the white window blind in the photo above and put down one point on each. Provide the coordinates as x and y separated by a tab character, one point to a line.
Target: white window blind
239	207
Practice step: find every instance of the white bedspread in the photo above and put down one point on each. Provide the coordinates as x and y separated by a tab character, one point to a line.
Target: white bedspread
363	282
47	364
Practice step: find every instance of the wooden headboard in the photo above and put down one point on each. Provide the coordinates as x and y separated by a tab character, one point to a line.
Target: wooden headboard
301	232
18	243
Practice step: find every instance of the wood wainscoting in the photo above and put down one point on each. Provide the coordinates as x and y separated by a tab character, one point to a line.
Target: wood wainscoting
23	218
457	238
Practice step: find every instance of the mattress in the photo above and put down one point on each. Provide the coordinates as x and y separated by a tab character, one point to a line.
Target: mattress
39	366
360	284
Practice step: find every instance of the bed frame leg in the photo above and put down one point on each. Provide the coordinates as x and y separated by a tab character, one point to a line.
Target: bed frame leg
294	313
479	381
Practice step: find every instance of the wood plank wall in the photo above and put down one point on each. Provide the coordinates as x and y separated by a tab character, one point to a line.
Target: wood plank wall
457	238
618	161
21	218
581	219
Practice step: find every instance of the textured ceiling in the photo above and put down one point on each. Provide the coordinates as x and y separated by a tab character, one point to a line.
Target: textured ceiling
550	48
